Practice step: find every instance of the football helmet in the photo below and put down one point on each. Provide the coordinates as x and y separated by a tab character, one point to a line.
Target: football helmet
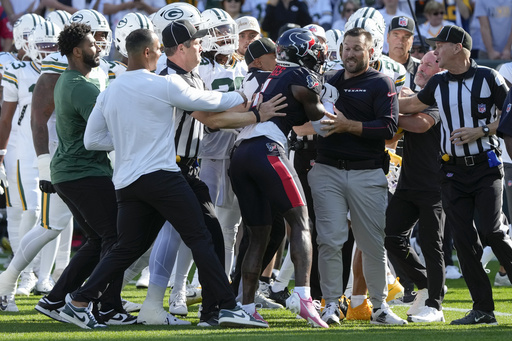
98	23
22	28
372	13
300	47
43	40
172	12
222	36
334	41
128	24
317	30
59	18
371	26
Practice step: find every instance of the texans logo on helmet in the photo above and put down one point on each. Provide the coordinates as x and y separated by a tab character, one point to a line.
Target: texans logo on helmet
301	45
312	81
271	147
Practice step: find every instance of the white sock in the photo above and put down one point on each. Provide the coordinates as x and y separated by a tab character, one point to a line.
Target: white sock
285	274
155	295
357	300
8	280
250	308
304	292
390	278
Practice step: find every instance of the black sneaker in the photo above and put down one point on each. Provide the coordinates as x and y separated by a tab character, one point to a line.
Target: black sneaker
113	317
280	296
51	309
477	317
209	320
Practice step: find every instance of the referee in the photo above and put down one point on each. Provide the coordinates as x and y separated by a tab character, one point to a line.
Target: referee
467	96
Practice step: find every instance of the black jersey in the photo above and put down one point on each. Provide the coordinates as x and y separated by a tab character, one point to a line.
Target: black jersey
280	82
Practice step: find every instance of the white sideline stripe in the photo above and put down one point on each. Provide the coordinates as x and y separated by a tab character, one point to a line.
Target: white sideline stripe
462	310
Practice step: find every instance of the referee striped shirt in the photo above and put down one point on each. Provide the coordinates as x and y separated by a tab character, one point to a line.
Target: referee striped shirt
189	131
466	100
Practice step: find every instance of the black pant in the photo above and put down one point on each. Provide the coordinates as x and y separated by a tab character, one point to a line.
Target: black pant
405	208
143	206
92	201
463	190
202	194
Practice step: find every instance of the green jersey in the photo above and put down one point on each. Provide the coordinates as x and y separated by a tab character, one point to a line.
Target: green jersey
75	97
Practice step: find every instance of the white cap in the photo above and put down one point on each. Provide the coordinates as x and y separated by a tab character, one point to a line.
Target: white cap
317	31
247	23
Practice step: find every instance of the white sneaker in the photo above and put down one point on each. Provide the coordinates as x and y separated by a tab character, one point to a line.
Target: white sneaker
427	314
501	281
178	304
452	272
193	294
7	303
264	288
419	302
264	302
151	315
237	317
44	287
143	281
27	283
130	307
331	313
384	315
81	317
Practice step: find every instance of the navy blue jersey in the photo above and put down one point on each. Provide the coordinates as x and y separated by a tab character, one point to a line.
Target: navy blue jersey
280	82
371	99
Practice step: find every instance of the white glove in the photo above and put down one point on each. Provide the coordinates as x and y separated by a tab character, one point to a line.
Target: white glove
43	165
329	93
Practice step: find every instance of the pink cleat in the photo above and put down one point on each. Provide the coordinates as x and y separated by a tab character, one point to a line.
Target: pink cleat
306	310
258	317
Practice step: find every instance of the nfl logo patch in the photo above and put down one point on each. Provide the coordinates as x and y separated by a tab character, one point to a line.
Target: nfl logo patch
509	106
481	108
402	21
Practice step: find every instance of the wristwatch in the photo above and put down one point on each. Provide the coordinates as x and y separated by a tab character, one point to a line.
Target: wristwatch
486	130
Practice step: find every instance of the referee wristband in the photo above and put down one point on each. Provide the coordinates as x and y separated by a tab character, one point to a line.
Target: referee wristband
256	113
3	151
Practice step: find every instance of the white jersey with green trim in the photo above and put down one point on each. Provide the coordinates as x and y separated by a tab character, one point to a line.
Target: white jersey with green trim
114	70
19	80
56	63
392	69
223	78
6	58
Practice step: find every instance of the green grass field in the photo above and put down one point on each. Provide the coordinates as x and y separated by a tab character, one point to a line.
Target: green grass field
29	325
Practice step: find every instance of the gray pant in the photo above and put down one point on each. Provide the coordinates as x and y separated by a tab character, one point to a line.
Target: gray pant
364	193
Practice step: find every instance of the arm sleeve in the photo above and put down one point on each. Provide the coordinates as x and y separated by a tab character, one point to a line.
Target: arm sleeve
385	105
97	136
185	97
426	95
84	97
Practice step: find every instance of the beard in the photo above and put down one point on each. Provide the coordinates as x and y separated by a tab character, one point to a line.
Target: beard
91	60
360	65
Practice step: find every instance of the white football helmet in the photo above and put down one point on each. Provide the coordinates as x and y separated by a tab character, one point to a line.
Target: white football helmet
59	18
128	24
372	13
334	41
222	35
43	40
371	26
172	12
22	28
98	23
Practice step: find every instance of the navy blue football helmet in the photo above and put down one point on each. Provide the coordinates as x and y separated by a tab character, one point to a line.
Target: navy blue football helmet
300	46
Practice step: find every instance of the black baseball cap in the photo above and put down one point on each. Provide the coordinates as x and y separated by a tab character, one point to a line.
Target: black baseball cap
402	23
452	34
179	31
259	48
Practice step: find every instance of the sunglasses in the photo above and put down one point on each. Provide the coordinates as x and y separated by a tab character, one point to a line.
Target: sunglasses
438	13
419	49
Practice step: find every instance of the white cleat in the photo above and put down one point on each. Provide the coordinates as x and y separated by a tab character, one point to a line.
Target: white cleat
44	287
426	315
419	302
384	315
178	304
158	316
27	283
143	281
7	303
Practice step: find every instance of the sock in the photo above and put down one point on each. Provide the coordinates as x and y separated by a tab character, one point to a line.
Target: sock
357	300
304	292
502	274
390	278
250	308
8	278
155	295
265	279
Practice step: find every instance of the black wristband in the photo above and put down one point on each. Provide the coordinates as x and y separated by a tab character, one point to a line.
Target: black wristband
256	113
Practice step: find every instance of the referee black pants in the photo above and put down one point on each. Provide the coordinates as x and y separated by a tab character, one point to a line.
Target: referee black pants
143	206
463	190
405	208
92	201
